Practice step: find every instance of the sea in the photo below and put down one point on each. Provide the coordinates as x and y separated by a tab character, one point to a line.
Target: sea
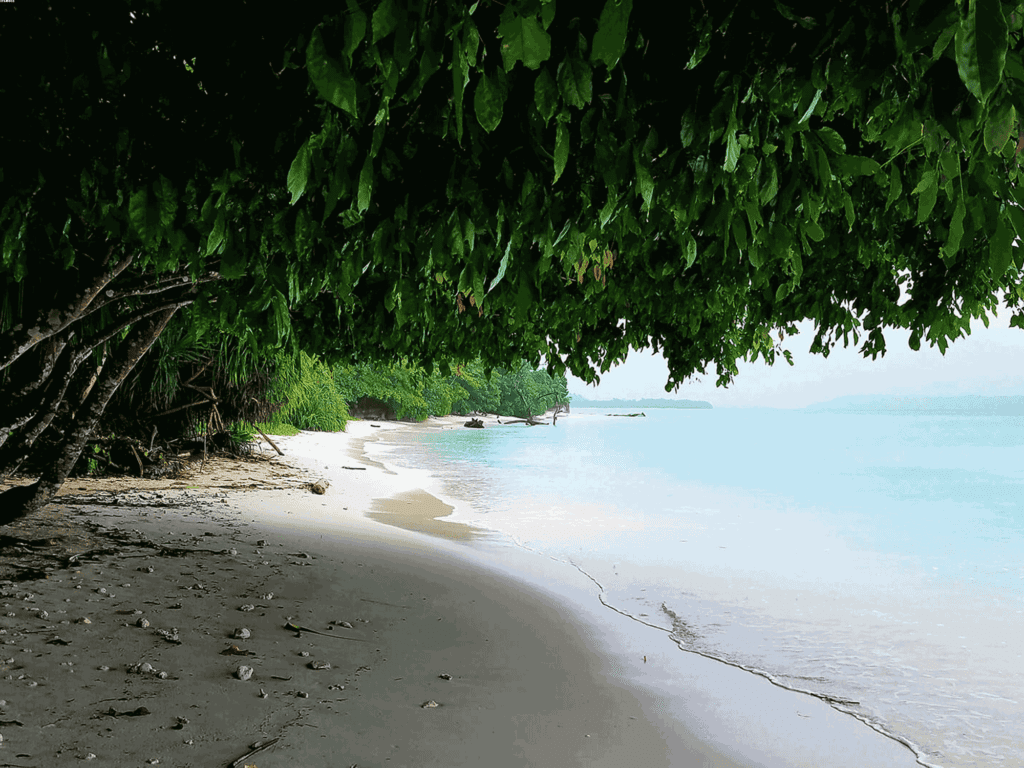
871	558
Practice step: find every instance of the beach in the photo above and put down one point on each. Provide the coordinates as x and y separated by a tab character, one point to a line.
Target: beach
237	618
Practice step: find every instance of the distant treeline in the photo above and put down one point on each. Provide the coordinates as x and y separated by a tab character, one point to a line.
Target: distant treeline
661	402
314	395
963	404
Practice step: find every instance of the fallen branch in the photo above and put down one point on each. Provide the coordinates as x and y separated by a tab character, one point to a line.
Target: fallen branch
296	628
272	443
260	746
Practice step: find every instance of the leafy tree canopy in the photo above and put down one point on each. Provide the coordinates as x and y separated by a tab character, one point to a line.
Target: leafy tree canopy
437	179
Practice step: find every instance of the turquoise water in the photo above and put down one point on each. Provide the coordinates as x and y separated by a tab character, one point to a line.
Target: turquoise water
875	560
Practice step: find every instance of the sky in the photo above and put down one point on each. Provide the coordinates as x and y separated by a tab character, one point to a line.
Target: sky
988	362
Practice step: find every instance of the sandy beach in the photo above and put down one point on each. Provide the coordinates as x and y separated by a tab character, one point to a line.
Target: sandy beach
236	618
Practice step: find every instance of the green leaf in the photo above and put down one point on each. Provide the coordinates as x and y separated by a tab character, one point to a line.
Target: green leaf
813	230
1000	252
895	188
855	165
771	187
999	127
145	219
545	95
561	149
167	201
365	186
610	38
980	47
943	41
333	82
732	151
384	20
687	129
488	103
811	108
956	232
523	39
355	31
831	139
739	232
574	81
233	264
928	189
298	173
502	267
1017	217
216	238
644	181
691	250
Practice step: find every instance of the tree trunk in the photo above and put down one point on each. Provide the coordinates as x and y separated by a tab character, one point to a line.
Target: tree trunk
19	502
49	321
64	395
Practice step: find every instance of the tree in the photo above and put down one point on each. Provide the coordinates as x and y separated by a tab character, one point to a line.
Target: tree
436	180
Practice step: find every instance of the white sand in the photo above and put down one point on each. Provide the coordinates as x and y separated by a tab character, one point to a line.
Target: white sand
541	673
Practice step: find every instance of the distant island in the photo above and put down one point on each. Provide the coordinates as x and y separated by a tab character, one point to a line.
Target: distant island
1008	405
580	401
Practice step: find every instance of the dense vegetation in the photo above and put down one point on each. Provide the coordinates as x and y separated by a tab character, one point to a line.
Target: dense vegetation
320	397
437	181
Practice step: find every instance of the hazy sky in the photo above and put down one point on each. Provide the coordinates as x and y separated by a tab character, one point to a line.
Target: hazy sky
988	362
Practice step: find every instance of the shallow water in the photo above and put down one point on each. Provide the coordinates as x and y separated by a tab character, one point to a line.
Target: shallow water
876	560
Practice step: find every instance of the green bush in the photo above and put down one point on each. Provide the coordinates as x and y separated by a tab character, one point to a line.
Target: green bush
312	398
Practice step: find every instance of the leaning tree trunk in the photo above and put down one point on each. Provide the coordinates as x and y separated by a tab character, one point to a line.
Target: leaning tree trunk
23	500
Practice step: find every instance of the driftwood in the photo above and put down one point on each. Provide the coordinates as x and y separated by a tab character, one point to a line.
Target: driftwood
272	443
628	415
474	424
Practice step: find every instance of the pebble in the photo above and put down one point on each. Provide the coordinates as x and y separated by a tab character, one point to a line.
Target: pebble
142	623
429	704
344	624
241	634
319	665
262	543
263	694
243	672
103	668
302	695
445	676
268	596
147	569
89	756
101	591
303	653
247	607
232	551
83	620
43	615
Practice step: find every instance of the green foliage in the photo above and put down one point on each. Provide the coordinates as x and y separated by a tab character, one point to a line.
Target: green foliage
278	428
621	182
312	398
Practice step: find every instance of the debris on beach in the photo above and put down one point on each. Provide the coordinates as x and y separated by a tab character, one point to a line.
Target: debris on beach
445	676
234	650
247	607
319	665
429	704
243	672
241	633
319	487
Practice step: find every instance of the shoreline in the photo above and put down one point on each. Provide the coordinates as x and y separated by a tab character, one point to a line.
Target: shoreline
541	672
